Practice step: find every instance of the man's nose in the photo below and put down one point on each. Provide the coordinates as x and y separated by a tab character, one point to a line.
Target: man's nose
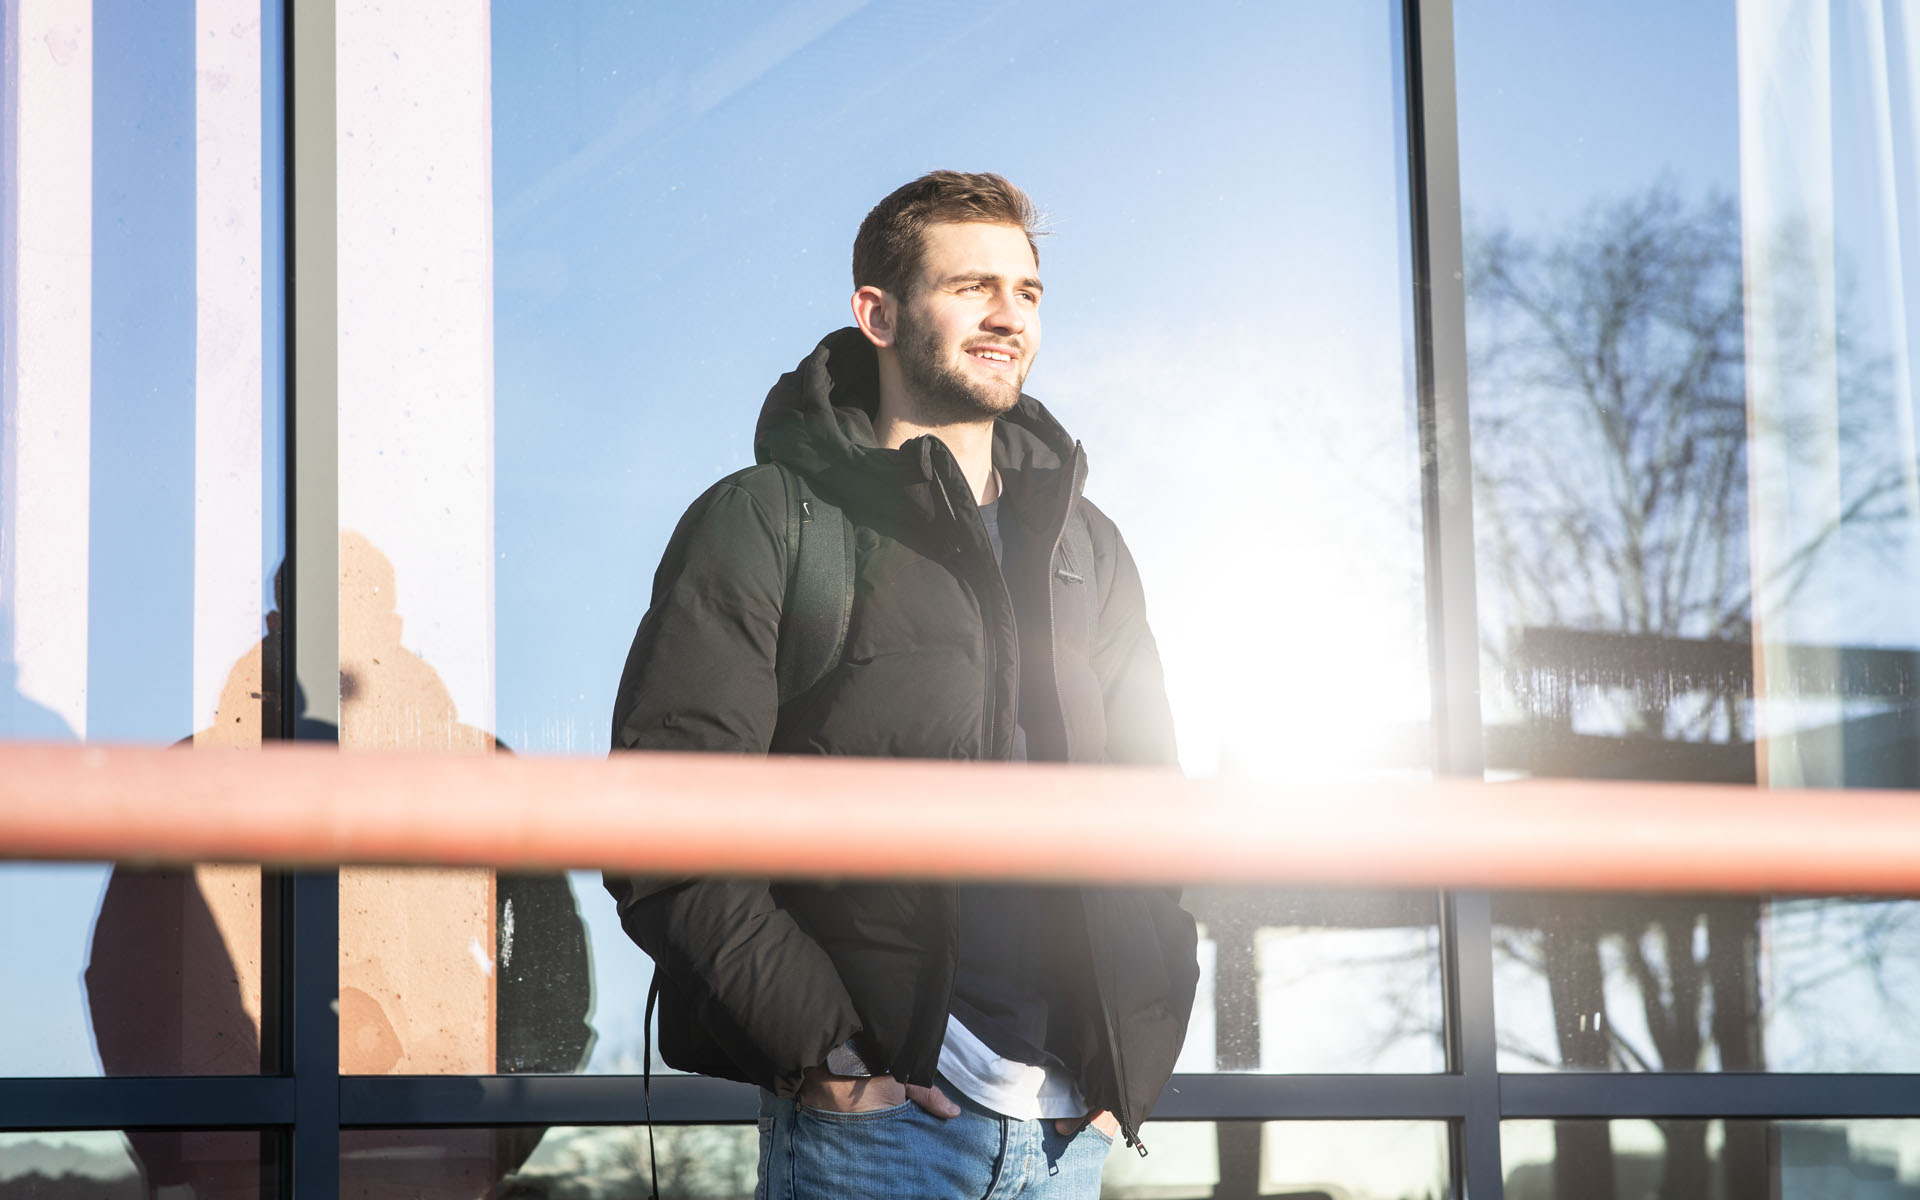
1004	316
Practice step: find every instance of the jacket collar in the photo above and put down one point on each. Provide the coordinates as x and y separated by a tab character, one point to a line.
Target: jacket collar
818	421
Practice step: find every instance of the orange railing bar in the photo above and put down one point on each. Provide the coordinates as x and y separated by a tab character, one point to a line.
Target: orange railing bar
298	805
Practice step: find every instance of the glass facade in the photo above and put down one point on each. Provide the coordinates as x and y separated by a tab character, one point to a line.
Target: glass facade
573	247
141	499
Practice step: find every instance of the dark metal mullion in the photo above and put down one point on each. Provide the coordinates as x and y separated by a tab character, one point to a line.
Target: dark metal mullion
312	622
1624	1095
315	1158
500	1100
1437	256
1440	350
497	1100
1472	1044
147	1102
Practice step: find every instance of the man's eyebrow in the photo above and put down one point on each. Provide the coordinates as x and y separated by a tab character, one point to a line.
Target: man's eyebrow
1029	282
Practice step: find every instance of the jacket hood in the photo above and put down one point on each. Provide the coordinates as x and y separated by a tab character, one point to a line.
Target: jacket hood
818	421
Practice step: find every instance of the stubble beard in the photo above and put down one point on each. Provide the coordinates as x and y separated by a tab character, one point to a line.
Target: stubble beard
941	392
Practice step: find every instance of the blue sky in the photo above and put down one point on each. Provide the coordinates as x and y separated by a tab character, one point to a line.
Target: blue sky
1565	104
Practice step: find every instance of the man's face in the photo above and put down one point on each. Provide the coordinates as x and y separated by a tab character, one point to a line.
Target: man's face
968	332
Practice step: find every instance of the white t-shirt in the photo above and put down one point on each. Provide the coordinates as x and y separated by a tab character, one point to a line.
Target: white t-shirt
1013	1089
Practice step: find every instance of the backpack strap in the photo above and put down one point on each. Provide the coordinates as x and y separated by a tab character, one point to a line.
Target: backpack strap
819	601
646	1078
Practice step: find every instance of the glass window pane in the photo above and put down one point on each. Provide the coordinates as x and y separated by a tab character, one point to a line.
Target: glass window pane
1682	1160
631	149
141	496
1691	310
710	1162
131	971
1606	354
582	242
112	1165
1353	1160
1307	1160
1316	983
1706	984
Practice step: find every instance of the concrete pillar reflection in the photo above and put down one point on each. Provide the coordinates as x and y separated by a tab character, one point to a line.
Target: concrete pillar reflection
416	490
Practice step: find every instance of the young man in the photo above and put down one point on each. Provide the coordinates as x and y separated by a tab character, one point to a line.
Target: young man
917	1039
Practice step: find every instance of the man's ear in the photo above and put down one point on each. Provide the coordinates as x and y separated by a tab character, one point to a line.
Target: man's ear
874	312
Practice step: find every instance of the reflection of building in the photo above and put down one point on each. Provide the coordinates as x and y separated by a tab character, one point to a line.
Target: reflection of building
1812	1161
1590	692
560	249
1817	1161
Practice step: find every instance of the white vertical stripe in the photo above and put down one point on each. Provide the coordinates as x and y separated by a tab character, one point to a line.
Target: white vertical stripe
227	350
416	322
46	394
1904	50
1787	218
1873	48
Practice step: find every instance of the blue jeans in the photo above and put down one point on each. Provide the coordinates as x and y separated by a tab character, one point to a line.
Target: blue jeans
907	1153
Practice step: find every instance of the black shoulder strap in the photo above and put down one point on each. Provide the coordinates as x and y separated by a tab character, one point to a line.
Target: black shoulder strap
819	602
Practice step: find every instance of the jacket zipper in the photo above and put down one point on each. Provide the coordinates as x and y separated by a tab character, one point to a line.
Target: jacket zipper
1128	1130
989	716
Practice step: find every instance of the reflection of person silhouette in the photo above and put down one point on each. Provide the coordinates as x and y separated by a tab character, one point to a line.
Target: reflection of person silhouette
392	699
173	979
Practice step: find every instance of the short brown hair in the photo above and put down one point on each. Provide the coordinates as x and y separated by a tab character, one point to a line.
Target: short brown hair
892	240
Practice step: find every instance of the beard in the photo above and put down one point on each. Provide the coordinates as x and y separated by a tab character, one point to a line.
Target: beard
942	393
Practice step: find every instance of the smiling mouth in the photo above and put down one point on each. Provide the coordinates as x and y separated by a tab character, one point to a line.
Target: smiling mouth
991	355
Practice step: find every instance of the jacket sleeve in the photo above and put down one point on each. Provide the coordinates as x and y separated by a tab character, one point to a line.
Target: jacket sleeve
1139	720
700	677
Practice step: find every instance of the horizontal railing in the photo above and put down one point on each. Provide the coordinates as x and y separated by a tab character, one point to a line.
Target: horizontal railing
302	805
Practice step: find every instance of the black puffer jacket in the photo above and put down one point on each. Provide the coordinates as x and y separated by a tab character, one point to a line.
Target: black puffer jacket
759	980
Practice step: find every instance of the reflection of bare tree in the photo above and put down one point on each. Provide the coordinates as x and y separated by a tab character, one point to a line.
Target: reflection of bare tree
1610	421
1611	433
1611	436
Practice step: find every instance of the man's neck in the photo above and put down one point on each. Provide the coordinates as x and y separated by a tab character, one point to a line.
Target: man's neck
971	444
